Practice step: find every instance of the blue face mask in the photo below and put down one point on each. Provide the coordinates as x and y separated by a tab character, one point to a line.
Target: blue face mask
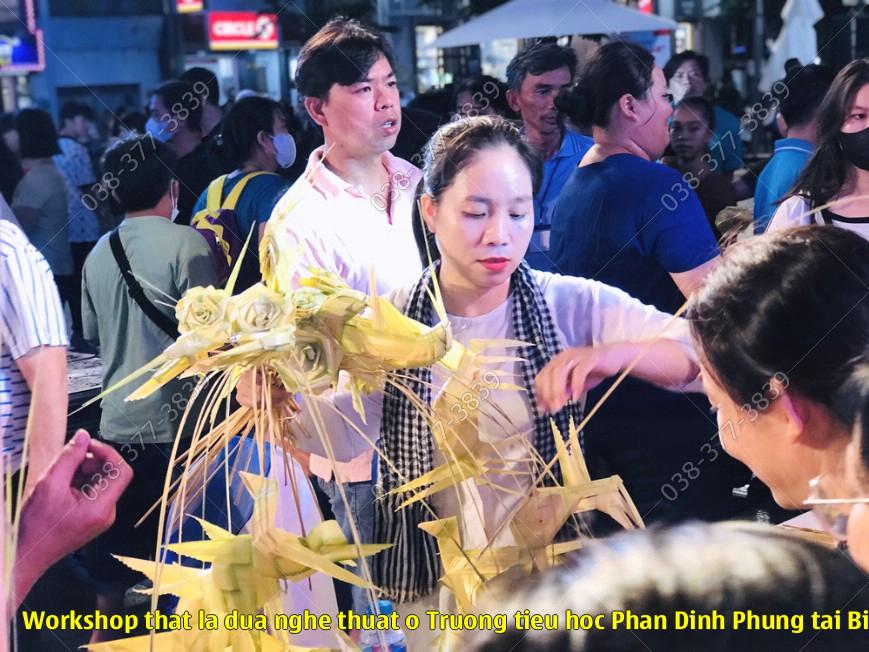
159	130
285	149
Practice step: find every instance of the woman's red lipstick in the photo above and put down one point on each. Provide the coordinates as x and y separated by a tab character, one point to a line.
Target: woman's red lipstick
495	264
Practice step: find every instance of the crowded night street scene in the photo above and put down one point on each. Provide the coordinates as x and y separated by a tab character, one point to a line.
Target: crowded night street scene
434	325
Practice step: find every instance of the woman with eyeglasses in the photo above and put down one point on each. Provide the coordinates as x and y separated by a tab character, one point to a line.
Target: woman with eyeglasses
836	178
780	325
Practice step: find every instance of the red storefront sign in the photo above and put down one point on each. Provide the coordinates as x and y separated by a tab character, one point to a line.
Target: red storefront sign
189	6
242	30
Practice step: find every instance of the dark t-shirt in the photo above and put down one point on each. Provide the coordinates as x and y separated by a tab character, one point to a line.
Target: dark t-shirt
630	223
194	172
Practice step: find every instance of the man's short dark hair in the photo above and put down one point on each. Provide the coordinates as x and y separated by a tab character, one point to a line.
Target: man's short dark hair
143	186
342	52
36	133
178	96
71	110
677	60
204	82
801	92
537	59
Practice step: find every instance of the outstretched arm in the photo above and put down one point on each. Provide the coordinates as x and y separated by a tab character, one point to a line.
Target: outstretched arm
611	331
575	371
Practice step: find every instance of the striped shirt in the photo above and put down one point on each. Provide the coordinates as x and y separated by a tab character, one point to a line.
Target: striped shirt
30	317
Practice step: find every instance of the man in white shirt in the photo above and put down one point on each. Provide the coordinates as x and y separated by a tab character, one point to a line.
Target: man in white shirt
357	214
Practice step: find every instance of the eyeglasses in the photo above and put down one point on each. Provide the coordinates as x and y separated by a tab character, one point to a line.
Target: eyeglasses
832	513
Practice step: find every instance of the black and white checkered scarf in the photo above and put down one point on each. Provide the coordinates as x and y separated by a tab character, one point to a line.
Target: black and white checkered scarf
410	568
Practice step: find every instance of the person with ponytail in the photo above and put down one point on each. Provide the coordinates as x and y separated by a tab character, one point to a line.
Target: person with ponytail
476	201
835	182
780	326
252	144
637	225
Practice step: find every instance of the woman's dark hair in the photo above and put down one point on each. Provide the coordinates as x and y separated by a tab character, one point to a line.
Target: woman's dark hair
451	150
488	89
791	303
10	171
827	170
240	127
180	96
37	134
852	407
342	52
142	187
616	69
700	106
675	62
695	569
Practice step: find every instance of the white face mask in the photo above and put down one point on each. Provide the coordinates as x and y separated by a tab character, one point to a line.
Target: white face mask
285	149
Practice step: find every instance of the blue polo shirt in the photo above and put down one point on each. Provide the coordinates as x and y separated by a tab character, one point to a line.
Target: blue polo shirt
556	172
789	158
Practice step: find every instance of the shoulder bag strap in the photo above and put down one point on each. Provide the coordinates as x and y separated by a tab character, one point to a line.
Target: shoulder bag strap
160	319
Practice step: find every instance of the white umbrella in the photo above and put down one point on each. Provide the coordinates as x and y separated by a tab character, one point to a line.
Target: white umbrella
538	18
796	40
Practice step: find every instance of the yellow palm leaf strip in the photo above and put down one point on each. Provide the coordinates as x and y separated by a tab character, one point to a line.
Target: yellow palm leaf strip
218	380
236	269
320	427
156	362
161	527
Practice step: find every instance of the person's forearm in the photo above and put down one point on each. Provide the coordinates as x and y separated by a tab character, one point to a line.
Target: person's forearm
24	576
46	423
662	362
29	565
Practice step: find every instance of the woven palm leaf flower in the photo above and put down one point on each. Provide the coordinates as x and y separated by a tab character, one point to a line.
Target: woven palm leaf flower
244	578
534	524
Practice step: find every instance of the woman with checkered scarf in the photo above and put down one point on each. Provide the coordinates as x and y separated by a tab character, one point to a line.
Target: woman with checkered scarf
476	202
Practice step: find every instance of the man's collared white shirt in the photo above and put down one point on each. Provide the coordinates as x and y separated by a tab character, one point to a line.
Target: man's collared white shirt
340	228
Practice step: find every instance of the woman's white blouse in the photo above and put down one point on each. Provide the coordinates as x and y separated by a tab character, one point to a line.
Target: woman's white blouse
586	313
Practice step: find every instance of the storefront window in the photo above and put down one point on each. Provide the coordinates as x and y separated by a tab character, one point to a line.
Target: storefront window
429	59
